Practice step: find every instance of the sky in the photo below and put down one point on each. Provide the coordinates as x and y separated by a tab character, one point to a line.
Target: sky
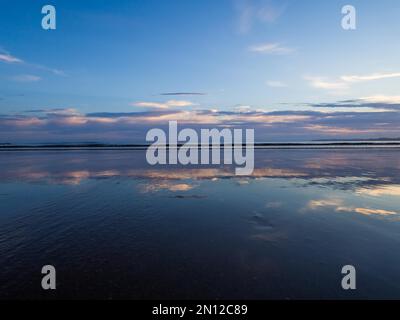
112	70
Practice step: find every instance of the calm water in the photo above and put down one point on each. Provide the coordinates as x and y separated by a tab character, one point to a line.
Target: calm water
116	228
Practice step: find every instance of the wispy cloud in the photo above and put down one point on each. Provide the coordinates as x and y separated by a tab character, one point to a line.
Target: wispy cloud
370	77
276	84
344	83
164	105
252	12
54	71
377	103
8	58
323	83
332	130
26	78
271	48
182	94
382	99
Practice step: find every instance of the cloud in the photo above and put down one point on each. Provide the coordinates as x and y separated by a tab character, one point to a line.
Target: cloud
370	77
337	130
290	125
8	58
377	103
271	48
243	109
58	118
164	105
183	94
56	112
26	78
253	12
345	82
381	99
54	71
323	83
276	84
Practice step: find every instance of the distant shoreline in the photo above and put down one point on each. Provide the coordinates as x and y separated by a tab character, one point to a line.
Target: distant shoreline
289	145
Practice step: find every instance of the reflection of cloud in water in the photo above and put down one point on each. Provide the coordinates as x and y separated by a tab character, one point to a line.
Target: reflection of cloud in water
264	229
344	180
338	205
346	183
76	176
270	237
316	204
68	177
369	172
273	204
211	174
369	212
331	162
280	173
389	190
73	177
242	182
158	186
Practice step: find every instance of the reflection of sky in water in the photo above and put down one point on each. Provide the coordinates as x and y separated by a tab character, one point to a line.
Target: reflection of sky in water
116	227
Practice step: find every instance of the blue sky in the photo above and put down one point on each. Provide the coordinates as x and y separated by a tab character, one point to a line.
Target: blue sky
286	68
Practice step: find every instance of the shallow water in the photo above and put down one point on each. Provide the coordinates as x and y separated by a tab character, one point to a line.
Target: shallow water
115	227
